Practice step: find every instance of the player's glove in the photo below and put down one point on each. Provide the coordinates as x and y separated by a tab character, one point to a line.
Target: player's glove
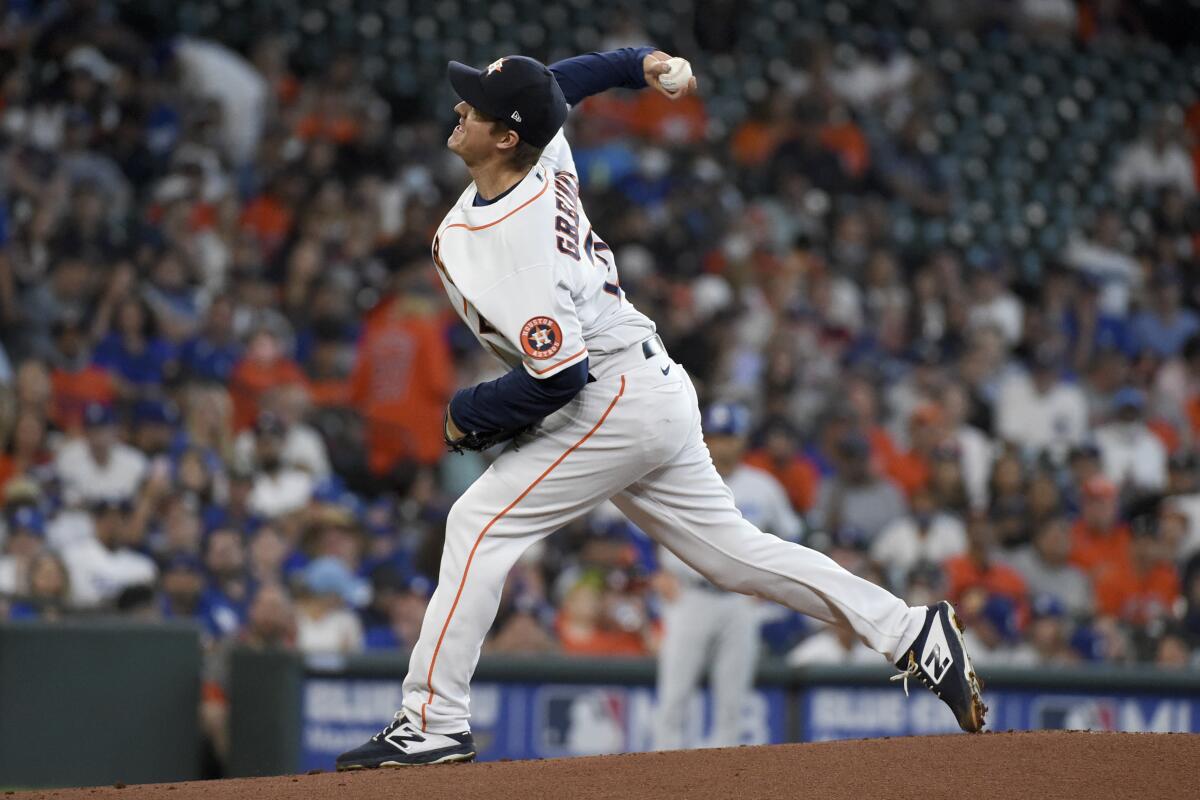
477	441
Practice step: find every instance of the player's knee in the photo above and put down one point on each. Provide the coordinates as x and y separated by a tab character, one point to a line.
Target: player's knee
730	580
462	521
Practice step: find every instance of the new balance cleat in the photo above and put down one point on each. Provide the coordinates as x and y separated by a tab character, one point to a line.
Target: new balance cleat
938	658
403	744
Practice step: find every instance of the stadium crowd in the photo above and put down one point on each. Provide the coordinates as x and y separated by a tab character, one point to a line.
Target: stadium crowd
225	357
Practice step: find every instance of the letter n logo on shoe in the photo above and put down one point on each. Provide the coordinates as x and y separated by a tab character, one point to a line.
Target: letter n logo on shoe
936	658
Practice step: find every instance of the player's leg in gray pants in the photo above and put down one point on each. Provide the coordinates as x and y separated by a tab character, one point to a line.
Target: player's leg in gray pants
732	674
688	633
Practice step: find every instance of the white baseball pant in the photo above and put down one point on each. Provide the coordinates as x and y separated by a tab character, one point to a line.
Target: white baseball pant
633	436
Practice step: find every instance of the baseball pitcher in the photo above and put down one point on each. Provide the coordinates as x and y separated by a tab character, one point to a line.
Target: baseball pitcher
593	408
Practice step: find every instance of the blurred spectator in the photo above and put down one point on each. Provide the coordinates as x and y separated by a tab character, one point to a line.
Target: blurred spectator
979	568
1038	410
27	448
49	592
303	449
854	505
1049	632
96	465
974	447
831	645
223	604
213	352
25	532
393	620
271	620
993	629
993	304
927	534
1164	326
76	380
1154	161
1132	455
401	383
278	488
138	359
100	566
1103	259
182	587
263	366
1142	588
1045	566
1098	538
585	629
781	457
325	621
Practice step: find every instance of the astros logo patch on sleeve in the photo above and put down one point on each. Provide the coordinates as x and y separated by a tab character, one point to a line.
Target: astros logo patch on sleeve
541	337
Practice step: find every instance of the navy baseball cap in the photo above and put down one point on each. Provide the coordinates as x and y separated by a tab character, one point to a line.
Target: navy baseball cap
519	91
726	419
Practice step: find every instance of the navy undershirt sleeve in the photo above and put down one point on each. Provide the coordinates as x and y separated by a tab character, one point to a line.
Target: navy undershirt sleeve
515	399
581	77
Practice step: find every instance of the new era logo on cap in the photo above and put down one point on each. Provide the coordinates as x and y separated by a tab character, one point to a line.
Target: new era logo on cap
516	115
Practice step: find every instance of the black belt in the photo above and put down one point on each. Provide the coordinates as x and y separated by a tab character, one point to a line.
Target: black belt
650	348
653	346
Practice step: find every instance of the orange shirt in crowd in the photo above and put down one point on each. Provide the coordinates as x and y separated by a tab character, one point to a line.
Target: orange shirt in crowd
1193	412
1136	597
682	121
269	219
336	128
848	141
909	470
600	642
799	478
251	379
754	142
329	393
1166	434
74	390
963	572
8	470
1091	550
402	380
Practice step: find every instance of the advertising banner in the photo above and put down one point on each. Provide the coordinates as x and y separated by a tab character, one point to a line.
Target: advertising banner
833	712
520	721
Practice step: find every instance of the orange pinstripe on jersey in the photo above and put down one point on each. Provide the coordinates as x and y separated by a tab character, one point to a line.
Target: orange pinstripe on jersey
545	186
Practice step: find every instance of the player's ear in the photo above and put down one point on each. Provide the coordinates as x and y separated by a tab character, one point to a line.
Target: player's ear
508	140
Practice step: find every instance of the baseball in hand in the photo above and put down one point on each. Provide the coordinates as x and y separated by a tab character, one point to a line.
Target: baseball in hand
677	77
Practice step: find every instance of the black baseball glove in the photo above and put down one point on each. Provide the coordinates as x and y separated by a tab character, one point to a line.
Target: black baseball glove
477	441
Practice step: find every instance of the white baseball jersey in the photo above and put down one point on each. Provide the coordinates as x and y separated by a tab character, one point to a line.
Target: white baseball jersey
530	278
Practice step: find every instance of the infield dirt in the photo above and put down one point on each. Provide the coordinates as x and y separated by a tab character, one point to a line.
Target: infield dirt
990	766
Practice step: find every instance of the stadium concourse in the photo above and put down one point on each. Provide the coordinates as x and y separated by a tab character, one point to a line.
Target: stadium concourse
946	256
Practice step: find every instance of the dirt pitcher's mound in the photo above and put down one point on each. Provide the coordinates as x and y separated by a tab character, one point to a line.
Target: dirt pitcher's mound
1001	766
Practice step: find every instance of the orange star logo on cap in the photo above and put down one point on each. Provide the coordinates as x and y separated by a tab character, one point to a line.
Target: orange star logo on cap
496	66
